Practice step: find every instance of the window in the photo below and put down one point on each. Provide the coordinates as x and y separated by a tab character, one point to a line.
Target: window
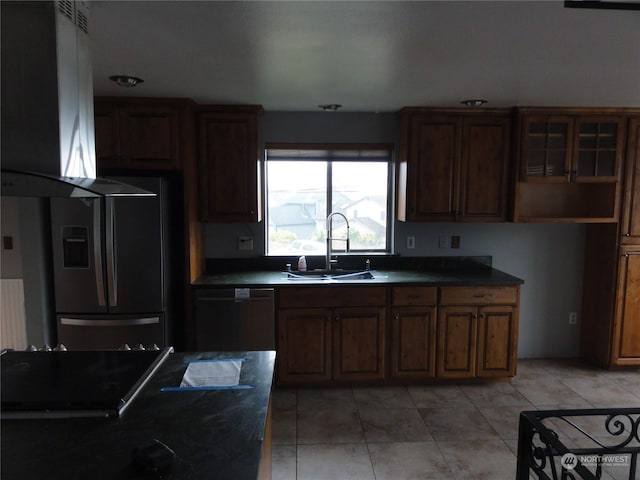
305	184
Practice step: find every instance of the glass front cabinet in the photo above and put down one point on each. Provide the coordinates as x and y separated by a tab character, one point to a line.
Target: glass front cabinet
571	149
570	165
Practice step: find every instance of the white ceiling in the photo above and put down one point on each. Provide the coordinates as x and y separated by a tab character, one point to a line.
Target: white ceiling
368	55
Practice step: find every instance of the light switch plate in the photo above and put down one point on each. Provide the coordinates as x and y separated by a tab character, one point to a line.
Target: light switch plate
411	242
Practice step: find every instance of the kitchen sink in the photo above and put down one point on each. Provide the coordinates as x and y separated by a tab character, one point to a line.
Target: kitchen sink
330	275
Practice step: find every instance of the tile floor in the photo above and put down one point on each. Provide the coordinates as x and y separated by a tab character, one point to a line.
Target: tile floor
432	432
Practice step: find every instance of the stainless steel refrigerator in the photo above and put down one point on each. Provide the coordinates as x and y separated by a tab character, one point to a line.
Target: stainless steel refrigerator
111	269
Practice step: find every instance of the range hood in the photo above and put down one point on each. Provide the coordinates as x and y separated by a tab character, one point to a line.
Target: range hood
48	139
33	184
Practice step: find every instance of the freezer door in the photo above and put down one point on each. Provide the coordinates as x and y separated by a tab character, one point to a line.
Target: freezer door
134	244
101	332
78	255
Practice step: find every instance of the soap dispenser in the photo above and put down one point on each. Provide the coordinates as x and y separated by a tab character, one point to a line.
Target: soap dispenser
302	264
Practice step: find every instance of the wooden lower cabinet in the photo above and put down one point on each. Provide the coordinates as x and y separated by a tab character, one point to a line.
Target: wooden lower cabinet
477	340
413	333
358	344
304	345
325	338
626	332
340	342
457	333
610	330
497	341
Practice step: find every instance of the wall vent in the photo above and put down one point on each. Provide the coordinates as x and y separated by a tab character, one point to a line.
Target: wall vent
66	8
82	21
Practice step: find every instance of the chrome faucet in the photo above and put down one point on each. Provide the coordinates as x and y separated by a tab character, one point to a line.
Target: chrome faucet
330	238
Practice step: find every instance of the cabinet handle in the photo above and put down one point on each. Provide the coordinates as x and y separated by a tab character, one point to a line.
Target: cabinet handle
337	319
627	234
396	316
475	316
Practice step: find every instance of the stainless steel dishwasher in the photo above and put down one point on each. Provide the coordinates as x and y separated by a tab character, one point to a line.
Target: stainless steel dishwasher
235	319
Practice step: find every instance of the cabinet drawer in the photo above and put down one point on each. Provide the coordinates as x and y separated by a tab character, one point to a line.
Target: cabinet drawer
407	296
297	297
479	295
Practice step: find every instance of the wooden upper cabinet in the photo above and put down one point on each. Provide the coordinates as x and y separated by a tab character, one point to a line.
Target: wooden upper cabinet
107	135
570	164
564	148
484	172
229	165
453	165
630	227
140	134
432	160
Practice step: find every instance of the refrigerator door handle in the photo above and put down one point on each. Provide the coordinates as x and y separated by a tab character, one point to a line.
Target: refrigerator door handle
81	322
112	280
97	253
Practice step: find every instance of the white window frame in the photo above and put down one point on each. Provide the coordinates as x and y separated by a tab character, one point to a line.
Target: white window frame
336	152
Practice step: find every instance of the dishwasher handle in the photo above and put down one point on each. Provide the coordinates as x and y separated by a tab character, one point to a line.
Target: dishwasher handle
232	299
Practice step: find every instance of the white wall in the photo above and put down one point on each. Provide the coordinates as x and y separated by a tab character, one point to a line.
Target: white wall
26	220
548	257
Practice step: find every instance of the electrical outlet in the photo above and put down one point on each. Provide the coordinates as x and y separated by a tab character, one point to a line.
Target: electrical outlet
455	241
245	243
411	242
443	242
573	318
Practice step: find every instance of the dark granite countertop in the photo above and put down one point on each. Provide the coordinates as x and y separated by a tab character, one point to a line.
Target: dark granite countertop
267	272
457	277
215	434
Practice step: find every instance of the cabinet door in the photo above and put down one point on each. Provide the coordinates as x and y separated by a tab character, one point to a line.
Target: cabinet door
457	333
149	137
497	341
630	228
432	168
304	345
358	344
626	350
106	135
413	342
597	149
483	176
228	167
546	148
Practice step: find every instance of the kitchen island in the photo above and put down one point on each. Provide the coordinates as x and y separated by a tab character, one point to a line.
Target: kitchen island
221	434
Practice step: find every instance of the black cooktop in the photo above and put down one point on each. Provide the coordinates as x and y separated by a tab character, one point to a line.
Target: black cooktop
74	384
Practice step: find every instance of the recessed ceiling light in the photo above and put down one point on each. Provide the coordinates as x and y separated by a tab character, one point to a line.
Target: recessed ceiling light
474	102
330	107
126	80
